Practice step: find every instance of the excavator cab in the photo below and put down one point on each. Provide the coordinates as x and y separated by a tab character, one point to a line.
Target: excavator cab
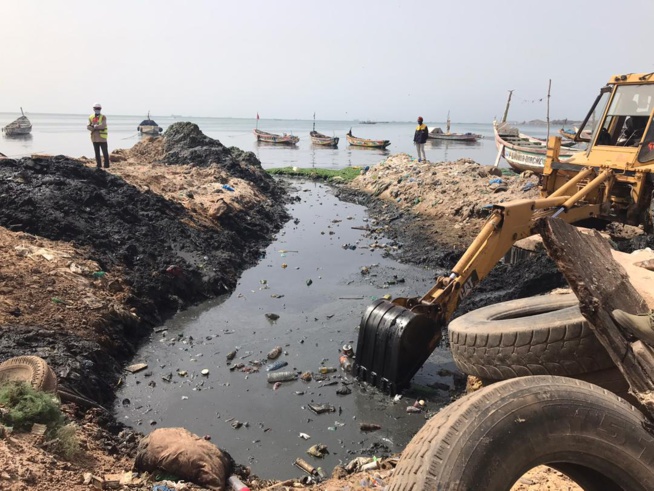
612	180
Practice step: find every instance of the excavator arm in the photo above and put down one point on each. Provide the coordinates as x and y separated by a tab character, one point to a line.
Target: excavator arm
396	338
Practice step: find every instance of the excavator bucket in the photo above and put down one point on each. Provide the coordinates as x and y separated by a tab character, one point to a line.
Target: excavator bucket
393	344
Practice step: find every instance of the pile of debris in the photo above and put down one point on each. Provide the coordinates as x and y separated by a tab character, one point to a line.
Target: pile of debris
453	198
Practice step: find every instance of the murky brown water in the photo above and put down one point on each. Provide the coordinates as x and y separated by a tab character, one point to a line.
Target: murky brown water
319	297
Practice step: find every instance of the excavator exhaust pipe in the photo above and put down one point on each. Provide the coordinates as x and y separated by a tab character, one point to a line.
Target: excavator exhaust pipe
393	344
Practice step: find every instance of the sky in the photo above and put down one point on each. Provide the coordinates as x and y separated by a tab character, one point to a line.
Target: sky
380	60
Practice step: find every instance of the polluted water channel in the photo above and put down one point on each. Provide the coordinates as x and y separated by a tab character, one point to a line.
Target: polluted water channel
207	367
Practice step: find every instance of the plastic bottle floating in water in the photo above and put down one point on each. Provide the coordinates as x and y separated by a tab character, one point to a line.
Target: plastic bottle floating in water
276	365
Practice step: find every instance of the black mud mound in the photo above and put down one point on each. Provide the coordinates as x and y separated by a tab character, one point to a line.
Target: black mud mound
169	259
185	144
143	233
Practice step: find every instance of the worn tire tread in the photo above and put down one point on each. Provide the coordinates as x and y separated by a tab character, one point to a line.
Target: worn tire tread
491	343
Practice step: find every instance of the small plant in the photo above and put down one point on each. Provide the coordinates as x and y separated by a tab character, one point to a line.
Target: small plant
66	443
24	406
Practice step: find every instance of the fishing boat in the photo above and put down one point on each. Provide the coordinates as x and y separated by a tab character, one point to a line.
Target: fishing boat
438	134
524	152
263	136
323	140
320	139
365	142
21	126
149	127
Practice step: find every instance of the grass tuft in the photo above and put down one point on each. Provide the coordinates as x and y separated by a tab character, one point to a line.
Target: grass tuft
340	175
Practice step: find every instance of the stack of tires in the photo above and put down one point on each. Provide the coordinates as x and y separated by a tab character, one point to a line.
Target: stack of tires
537	410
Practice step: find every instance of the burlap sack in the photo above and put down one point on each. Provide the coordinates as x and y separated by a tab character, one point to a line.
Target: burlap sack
179	452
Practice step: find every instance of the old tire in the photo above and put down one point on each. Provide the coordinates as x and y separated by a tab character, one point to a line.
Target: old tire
490	438
30	369
545	335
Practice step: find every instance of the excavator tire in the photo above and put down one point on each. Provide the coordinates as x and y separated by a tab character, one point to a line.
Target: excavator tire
490	438
30	369
544	335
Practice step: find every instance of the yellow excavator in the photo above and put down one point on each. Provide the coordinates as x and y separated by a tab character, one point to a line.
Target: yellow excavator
612	180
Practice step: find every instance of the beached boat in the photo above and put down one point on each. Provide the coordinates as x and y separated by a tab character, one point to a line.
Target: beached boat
365	142
149	127
324	140
21	126
439	134
263	136
524	152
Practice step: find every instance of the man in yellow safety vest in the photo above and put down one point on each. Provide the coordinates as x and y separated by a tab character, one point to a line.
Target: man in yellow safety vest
98	128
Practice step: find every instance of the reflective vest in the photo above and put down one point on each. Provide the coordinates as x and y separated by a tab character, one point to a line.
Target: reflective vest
93	119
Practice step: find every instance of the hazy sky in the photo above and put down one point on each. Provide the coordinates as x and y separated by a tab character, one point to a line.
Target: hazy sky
356	59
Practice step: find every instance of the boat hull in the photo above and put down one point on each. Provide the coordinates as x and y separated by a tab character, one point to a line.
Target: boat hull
150	130
20	127
265	137
323	140
455	137
366	143
17	131
524	153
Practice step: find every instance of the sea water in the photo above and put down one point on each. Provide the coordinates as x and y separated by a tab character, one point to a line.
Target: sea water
66	134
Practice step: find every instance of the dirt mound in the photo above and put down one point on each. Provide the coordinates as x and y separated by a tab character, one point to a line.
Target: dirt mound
455	197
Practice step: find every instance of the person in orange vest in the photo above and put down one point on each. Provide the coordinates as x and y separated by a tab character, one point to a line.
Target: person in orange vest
98	128
420	138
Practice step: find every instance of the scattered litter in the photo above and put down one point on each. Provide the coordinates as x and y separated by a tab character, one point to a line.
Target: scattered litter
231	355
205	372
236	485
281	377
276	365
227	187
272	317
304	436
309	282
274	353
137	367
326	369
277	385
305	466
369	427
318	450
343	391
322	408
495	180
306	376
413	409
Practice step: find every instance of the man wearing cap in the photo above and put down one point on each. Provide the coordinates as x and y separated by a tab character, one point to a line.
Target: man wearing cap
98	128
420	138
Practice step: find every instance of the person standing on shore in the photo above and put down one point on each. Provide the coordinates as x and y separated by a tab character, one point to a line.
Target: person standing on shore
420	138
99	133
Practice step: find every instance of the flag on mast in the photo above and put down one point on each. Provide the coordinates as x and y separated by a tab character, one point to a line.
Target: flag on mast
257	115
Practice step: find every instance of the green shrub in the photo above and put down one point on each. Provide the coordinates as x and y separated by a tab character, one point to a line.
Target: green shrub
23	406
